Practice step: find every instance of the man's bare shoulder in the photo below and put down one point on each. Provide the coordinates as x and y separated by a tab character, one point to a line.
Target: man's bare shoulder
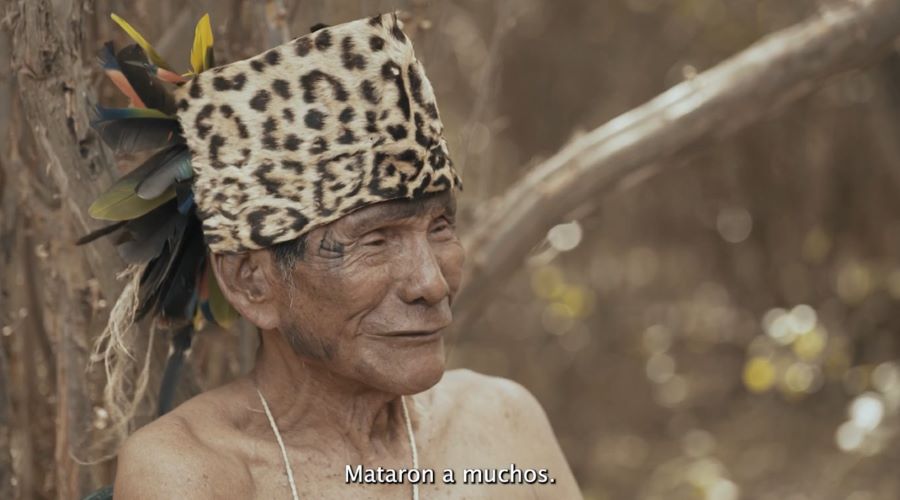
489	396
174	455
508	424
485	404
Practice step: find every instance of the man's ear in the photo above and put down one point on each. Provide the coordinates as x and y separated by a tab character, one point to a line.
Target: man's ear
248	282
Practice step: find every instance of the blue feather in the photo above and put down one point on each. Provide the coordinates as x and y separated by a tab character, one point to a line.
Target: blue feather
184	206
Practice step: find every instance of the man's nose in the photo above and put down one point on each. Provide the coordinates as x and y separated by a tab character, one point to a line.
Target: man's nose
423	278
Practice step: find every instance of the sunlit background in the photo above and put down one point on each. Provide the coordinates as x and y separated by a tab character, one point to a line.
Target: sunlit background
724	330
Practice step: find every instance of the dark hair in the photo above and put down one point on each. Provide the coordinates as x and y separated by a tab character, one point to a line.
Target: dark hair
287	253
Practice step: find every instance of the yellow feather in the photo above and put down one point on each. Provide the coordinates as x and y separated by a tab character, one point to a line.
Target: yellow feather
199	320
221	310
203	39
155	58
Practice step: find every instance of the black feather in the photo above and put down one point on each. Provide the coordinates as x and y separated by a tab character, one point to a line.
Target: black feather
133	64
161	160
130	130
159	270
173	166
179	300
144	237
99	233
185	196
181	342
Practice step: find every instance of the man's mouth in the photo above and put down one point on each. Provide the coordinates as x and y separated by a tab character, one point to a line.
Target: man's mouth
414	333
422	335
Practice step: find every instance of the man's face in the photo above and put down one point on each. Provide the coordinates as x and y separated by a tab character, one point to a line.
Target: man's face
373	292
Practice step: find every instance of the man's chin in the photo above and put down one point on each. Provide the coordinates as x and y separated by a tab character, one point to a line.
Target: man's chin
424	378
408	369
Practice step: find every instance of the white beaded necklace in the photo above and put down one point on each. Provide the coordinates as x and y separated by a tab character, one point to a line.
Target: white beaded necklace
287	464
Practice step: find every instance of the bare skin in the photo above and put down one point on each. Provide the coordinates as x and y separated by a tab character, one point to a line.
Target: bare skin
352	327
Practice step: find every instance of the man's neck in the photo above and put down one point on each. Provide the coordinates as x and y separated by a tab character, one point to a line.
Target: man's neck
311	404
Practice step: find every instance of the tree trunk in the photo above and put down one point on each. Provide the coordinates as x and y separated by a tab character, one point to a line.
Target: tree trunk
7	220
56	283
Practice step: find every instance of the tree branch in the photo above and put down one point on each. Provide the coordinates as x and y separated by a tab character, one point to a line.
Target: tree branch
717	103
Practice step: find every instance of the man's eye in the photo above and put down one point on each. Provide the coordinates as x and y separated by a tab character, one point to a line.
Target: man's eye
374	241
332	247
442	225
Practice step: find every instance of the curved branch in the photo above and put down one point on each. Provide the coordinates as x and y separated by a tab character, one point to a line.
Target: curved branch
717	103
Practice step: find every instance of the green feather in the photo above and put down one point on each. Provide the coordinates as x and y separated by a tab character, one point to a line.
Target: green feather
221	310
121	202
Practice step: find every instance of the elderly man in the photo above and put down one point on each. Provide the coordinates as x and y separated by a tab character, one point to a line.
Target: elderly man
327	202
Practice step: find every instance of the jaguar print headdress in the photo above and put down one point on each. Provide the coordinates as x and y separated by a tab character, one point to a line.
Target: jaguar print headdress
308	131
257	152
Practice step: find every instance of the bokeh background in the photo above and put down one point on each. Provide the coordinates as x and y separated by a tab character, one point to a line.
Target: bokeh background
725	329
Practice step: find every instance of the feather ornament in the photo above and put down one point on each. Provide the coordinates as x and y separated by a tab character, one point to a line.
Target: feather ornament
219	308
130	130
159	272
143	238
202	52
154	221
155	224
174	166
110	64
161	73
99	233
140	40
123	201
149	89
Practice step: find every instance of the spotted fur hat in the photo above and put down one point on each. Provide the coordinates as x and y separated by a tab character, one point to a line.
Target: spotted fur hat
309	131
